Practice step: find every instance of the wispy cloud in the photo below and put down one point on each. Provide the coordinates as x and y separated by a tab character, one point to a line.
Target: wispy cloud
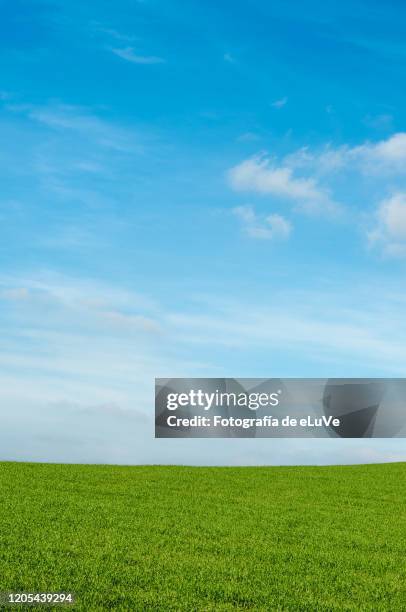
79	120
79	374
79	339
15	294
129	54
229	58
319	324
113	33
318	321
65	297
280	103
268	227
248	137
379	122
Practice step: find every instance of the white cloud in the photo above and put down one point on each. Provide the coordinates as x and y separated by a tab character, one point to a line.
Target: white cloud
373	158
311	178
390	230
385	155
279	225
391	150
266	228
257	174
129	54
321	163
260	175
392	213
280	103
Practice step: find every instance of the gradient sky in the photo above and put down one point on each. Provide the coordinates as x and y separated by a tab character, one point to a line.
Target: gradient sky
195	189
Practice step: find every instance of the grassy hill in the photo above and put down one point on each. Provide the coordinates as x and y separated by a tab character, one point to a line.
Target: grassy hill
179	538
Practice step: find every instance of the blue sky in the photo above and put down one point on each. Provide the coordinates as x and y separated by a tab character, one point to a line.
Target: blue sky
195	189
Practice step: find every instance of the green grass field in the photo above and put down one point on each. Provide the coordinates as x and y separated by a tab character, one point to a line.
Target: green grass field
178	538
